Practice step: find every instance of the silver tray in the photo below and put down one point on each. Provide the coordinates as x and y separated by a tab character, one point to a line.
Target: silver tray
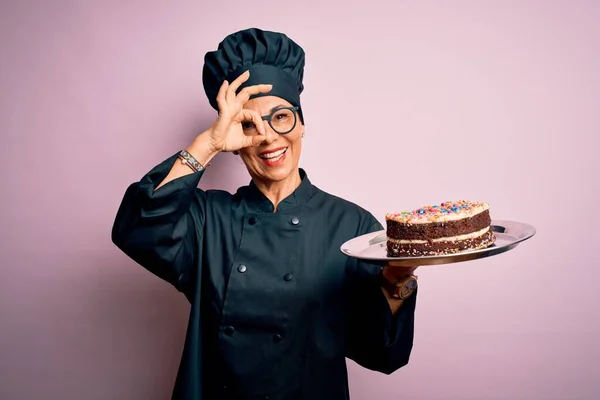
372	246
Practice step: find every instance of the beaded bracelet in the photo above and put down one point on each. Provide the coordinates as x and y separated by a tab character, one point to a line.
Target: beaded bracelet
189	160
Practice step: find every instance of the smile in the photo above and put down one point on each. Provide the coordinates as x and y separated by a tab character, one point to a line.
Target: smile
273	156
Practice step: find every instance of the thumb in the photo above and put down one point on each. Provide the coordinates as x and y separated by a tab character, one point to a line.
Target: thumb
256	140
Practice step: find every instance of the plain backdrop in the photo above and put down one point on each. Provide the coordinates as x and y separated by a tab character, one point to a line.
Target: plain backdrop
407	103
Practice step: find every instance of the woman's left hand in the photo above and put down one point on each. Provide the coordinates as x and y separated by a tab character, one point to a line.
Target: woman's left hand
393	272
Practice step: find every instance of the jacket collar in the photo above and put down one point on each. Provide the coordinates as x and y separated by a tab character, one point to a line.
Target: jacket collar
252	195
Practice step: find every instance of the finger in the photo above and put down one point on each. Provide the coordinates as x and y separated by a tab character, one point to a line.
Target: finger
256	140
246	92
221	95
239	80
236	84
249	115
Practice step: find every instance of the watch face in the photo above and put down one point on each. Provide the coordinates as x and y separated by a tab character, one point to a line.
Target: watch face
407	288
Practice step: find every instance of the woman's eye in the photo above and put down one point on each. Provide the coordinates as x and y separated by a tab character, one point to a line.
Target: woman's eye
247	125
281	116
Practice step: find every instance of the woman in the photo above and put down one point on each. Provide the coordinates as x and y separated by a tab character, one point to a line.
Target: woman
276	307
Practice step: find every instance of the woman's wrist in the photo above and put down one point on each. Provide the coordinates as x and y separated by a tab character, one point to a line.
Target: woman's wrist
202	149
393	273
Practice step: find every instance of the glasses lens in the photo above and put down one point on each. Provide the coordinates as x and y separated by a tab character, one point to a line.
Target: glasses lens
283	121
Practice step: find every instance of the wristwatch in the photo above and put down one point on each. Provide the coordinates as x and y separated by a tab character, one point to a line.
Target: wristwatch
402	289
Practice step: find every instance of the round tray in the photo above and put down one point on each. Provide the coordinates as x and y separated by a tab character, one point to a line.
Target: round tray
373	246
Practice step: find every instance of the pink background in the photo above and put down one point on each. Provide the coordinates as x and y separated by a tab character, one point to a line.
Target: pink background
407	103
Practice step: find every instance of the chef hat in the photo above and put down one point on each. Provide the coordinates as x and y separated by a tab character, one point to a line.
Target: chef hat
271	57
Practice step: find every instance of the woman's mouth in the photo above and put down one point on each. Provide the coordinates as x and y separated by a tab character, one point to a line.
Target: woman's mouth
273	157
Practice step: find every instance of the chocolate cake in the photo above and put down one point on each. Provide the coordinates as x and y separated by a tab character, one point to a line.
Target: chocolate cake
445	228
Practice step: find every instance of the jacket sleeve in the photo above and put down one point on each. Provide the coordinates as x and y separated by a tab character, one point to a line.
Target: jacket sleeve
377	339
159	229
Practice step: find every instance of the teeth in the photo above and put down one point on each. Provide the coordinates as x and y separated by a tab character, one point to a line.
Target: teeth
276	158
275	154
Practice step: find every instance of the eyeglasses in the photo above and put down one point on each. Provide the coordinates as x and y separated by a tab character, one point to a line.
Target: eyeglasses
282	120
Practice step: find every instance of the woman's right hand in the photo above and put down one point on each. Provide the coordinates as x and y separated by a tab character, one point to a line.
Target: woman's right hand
227	134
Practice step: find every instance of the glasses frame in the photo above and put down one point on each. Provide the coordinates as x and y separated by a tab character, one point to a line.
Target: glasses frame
268	118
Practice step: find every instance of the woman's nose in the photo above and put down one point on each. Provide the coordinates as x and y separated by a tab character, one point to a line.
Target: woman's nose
270	133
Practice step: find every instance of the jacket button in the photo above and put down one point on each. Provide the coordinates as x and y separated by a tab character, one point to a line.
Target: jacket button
229	330
242	268
288	277
277	338
252	220
295	221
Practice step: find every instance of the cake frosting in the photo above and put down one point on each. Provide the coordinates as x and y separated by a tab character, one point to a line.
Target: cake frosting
446	211
444	228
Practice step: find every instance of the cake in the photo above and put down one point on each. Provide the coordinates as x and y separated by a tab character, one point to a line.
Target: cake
446	228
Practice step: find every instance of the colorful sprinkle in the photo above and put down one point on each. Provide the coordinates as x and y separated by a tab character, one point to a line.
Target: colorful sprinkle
436	210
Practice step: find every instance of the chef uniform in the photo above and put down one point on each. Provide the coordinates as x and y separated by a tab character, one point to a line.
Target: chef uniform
275	306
